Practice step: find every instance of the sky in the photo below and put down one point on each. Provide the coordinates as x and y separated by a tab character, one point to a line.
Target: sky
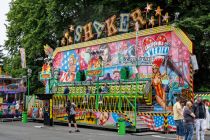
4	8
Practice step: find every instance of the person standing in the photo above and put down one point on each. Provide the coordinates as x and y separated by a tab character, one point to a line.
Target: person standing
178	117
207	114
66	92
17	107
105	90
87	95
189	117
200	116
70	110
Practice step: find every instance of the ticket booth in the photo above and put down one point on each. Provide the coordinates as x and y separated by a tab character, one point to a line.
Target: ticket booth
47	108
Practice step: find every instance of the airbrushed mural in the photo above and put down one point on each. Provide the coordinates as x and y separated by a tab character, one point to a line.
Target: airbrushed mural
109	119
162	57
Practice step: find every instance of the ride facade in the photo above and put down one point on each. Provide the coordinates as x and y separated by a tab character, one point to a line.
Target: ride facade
11	91
133	76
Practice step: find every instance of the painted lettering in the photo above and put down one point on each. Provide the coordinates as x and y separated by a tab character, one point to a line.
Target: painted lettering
110	24
137	17
124	22
98	27
88	31
78	33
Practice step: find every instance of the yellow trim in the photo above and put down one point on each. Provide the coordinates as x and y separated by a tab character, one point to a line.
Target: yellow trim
205	94
183	37
115	38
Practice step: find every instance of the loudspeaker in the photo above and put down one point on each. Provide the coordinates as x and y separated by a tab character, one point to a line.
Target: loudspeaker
194	62
124	73
80	76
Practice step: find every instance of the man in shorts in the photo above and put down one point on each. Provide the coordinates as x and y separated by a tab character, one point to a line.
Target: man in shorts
70	110
178	117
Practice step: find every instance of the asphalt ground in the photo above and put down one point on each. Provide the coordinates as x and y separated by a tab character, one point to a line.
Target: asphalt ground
37	131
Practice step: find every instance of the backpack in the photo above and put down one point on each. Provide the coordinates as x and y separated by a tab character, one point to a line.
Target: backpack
70	110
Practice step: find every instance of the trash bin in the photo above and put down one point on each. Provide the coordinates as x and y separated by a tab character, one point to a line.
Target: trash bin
121	126
24	117
1	114
46	118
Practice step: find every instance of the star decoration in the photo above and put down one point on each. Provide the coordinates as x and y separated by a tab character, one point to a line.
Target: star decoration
148	8
165	18
158	11
152	21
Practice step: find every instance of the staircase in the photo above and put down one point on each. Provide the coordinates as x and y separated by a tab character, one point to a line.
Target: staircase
141	126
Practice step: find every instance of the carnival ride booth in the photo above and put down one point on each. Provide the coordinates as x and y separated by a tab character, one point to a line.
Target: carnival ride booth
11	93
134	76
43	108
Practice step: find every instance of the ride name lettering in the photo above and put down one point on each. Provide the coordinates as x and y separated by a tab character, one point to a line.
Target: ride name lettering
94	72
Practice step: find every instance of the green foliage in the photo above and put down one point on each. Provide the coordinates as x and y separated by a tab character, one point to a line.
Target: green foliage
34	23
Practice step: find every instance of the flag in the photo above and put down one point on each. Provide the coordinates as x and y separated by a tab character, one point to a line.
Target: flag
155	123
171	123
23	57
159	123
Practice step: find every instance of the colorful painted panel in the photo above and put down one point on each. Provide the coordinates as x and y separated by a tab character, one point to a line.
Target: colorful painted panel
162	57
158	123
109	119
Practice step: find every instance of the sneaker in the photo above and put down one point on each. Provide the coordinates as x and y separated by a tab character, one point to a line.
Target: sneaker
77	130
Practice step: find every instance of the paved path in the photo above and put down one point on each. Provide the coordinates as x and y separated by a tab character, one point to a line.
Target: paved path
36	131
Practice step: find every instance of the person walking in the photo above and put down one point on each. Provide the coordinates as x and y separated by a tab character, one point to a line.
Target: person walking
70	110
189	117
178	117
200	115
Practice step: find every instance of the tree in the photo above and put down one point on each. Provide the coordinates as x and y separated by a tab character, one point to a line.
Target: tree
1	59
34	24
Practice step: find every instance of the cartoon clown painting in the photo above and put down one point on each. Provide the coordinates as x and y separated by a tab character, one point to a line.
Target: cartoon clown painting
157	82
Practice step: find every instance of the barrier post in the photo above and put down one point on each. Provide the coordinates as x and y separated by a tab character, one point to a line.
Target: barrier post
121	127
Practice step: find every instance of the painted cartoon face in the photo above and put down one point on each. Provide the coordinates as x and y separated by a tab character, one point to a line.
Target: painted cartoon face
103	118
155	70
116	75
105	54
71	61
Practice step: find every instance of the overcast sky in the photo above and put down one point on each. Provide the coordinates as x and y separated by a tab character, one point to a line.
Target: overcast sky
4	8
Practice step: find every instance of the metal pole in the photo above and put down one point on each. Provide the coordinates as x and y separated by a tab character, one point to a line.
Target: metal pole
135	110
28	83
97	94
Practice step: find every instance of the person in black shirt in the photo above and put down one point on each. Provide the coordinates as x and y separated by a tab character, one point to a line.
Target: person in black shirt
200	116
66	92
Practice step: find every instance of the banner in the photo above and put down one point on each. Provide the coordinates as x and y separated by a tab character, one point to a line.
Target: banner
23	57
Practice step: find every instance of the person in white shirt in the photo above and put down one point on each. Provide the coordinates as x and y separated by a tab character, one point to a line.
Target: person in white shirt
206	102
17	106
